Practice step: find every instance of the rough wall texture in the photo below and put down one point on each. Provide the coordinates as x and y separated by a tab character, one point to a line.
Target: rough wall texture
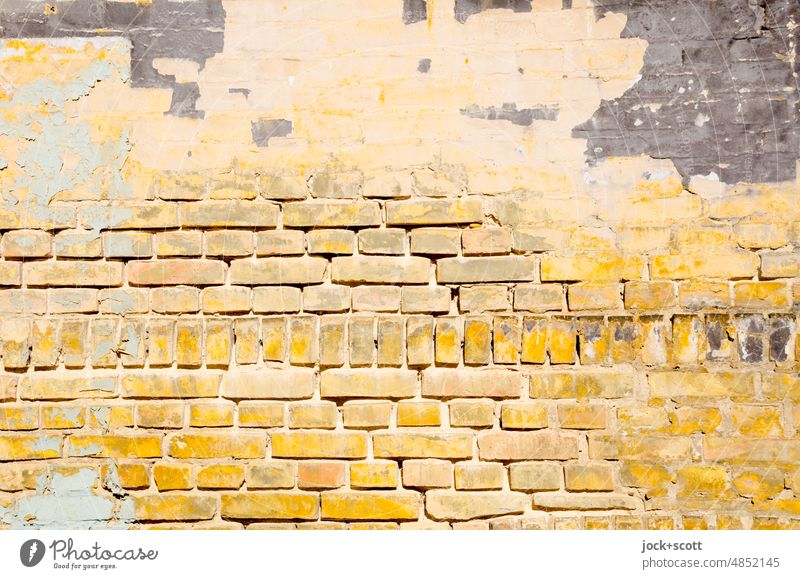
387	263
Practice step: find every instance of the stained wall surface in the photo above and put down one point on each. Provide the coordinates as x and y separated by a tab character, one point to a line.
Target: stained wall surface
496	264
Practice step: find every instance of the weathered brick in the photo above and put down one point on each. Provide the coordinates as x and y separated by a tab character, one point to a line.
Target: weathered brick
383	383
319	444
489	383
115	446
228	213
419	445
174	507
331	214
380	269
266	505
176	272
267	384
455	270
434	212
545	445
278	271
455	506
370	506
217	445
72	273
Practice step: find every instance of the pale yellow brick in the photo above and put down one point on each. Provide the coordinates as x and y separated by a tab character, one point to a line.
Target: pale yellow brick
212	414
282	242
479	476
427	299
376	475
326	298
225	299
428	473
379	298
277	299
474	414
313	415
366	415
588	477
523	415
220	476
594	296
331	241
483	298
229	243
486	241
178	243
434	241
260	414
539	297
382	241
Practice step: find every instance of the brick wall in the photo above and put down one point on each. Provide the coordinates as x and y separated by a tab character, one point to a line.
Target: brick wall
385	264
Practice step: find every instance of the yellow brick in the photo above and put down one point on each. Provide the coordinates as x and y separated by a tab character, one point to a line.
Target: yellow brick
375	475
418	414
260	414
174	507
588	477
320	444
374	505
592	267
758	421
158	385
649	295
699	294
594	296
62	416
562	339
220	476
507	340
171	476
27	417
366	415
419	445
218	445
119	446
534	341
211	414
133	475
313	415
524	416
705	481
274	474
479	476
448	341
472	414
160	415
477	342
688	420
582	417
770	295
270	505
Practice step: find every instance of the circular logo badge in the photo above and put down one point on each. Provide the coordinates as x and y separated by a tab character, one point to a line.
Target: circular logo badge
32	552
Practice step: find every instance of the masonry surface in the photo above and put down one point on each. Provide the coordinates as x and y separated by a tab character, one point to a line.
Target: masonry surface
399	264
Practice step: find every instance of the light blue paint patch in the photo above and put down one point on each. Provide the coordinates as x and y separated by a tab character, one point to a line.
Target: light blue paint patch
130	343
99	217
118	302
101	414
68	502
102	348
70	413
119	246
88	450
55	139
104	384
47	443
